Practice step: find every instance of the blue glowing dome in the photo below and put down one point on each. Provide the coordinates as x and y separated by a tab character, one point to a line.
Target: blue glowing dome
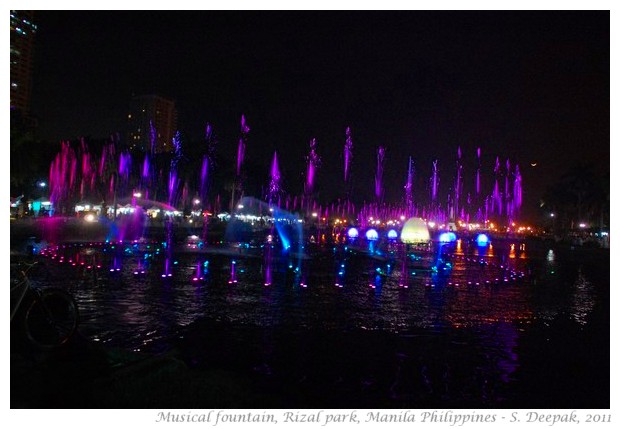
447	237
372	234
353	233
392	234
482	240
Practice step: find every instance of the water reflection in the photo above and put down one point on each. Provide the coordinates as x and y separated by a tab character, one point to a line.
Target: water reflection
584	299
458	285
401	321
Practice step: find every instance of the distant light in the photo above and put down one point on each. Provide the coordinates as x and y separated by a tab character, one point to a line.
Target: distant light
196	201
372	234
431	224
240	206
392	234
137	194
582	225
353	233
314	214
552	214
89	217
482	240
42	184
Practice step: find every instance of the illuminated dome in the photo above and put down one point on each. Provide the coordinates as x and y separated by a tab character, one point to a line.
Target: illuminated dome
372	235
415	231
482	240
447	237
392	234
353	233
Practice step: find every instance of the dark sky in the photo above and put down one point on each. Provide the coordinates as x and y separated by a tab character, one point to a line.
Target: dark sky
531	86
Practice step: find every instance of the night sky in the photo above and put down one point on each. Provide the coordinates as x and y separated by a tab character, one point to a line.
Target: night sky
531	86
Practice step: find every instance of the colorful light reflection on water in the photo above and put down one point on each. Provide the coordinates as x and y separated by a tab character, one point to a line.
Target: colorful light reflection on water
486	299
477	289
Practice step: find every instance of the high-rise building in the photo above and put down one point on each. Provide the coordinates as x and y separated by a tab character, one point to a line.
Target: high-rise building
23	31
152	120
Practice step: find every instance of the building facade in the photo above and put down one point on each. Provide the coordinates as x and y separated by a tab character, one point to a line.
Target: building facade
23	32
151	123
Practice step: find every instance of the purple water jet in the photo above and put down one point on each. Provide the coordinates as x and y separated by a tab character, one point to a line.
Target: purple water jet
348	155
274	184
379	174
434	181
152	137
409	189
245	129
314	162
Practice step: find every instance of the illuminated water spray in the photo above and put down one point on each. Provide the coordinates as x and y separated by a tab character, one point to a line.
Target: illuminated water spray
207	160
172	178
62	176
245	129
172	189
379	174
496	198
517	190
348	155
458	185
146	172
88	173
124	166
152	137
434	181
314	162
507	180
409	189
274	183
237	184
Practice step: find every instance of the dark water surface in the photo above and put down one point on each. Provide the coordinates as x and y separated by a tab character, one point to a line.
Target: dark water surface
524	324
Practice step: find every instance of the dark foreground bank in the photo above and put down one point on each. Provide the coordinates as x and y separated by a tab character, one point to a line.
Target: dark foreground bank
220	365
